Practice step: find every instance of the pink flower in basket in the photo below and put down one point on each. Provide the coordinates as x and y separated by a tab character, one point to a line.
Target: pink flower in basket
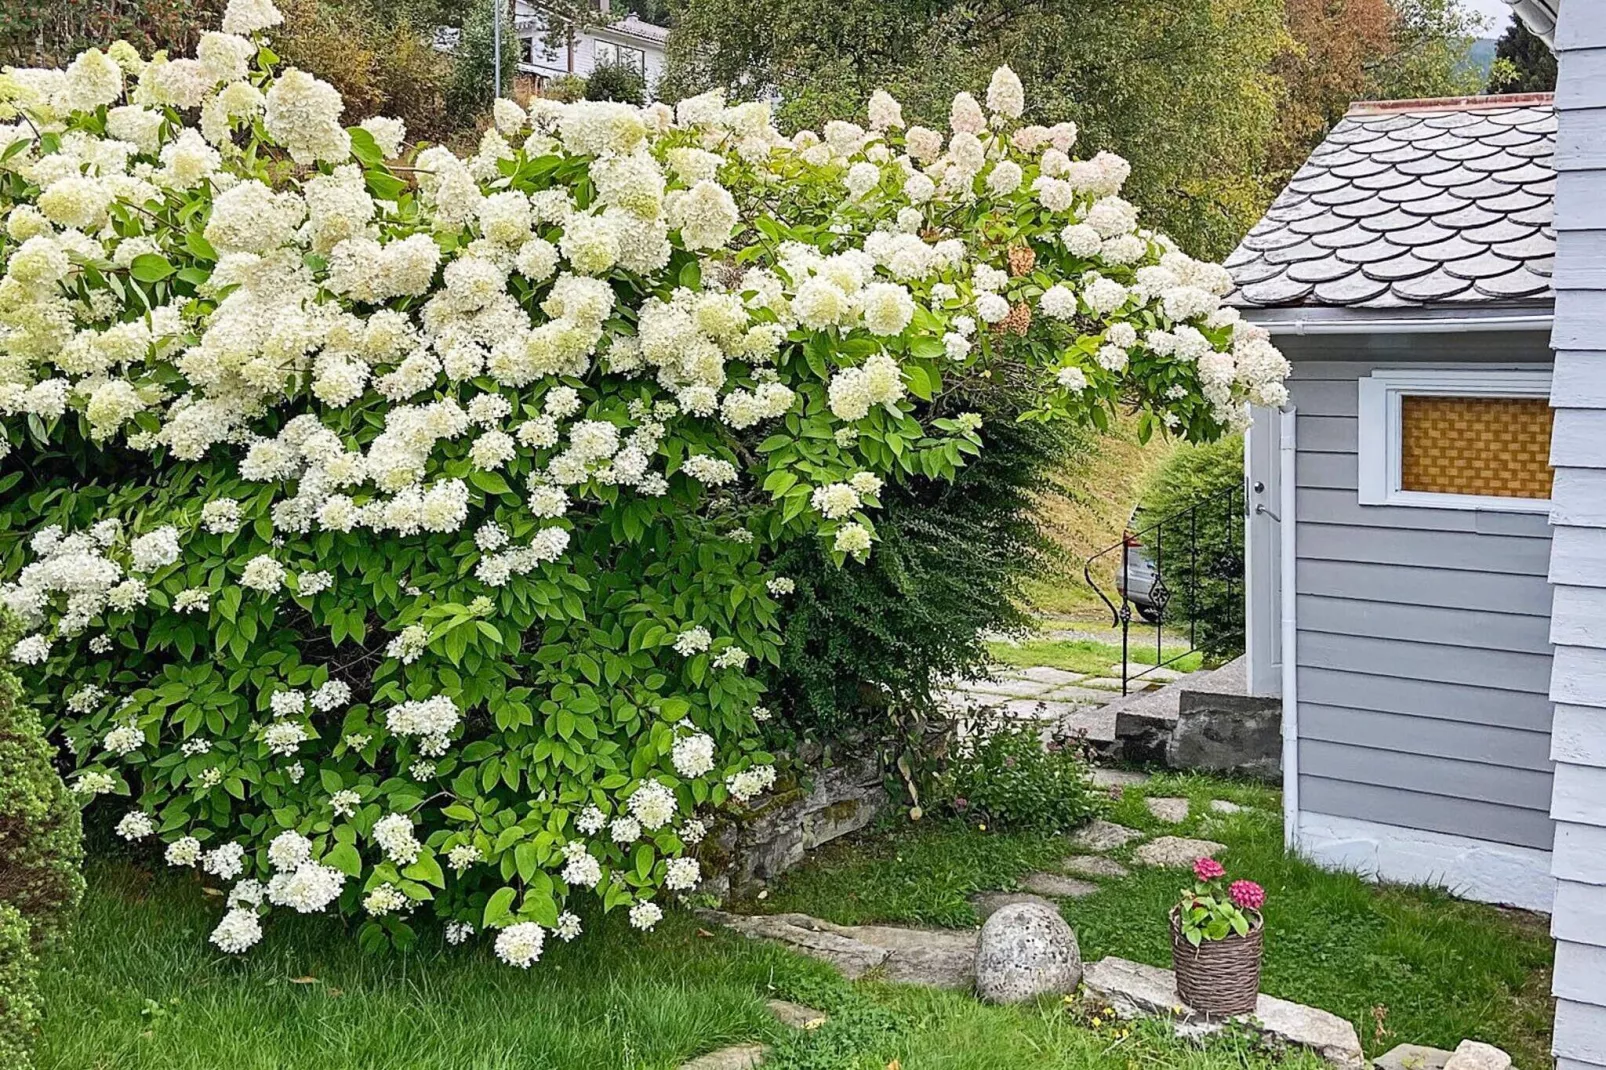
1247	894
1208	869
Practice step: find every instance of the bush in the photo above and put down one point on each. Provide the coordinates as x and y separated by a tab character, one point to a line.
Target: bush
400	539
565	89
615	81
1005	778
41	846
862	643
1207	586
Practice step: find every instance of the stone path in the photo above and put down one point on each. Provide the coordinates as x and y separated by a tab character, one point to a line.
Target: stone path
942	958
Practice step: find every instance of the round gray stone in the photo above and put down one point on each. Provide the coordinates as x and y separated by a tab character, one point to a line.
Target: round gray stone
1026	950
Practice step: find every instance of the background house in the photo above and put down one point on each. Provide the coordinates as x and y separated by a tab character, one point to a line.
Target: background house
548	50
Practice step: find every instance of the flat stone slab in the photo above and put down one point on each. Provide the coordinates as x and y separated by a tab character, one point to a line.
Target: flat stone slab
795	1014
1093	866
989	903
1010	686
1118	778
1176	852
1104	835
1049	675
1476	1055
1147	672
1170	810
1055	886
1077	694
1104	683
1222	806
1133	990
1412	1057
736	1057
936	957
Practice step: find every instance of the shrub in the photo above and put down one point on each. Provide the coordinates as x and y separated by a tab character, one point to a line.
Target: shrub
40	849
402	542
616	81
565	89
1201	555
1005	778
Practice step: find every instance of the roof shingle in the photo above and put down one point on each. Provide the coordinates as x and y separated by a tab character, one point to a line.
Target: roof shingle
1416	202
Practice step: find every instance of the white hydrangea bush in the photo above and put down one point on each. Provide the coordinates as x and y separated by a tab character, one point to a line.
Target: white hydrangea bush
391	528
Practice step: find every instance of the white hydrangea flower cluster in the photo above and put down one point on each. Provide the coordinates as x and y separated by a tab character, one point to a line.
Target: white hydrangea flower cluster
418	411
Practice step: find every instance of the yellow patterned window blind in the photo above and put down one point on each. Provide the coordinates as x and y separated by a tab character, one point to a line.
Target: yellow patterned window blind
1497	447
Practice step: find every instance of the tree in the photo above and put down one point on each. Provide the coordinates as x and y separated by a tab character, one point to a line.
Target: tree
1182	89
469	91
1522	62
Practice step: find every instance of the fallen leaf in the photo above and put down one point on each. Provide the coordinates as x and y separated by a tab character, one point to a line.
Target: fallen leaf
213	891
303	980
705	933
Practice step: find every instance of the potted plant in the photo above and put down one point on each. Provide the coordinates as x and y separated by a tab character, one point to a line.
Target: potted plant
1215	941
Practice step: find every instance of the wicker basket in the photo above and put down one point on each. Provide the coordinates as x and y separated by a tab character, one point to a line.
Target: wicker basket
1218	976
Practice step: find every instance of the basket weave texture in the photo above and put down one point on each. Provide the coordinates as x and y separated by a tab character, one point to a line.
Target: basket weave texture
1218	976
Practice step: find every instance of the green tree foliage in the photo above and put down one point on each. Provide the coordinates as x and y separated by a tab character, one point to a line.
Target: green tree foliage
616	81
41	846
1179	88
1199	554
1522	62
468	90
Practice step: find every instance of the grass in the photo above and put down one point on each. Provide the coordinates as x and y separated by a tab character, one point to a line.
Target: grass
1403	964
1087	655
142	990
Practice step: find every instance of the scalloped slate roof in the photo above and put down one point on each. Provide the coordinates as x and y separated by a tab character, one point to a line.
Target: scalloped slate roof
1410	204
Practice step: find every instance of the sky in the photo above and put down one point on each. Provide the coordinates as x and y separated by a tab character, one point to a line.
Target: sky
1495	12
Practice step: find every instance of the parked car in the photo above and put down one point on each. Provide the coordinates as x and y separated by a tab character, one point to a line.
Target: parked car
1137	577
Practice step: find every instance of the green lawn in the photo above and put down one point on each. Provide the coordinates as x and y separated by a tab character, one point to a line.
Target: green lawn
142	990
1403	964
1090	655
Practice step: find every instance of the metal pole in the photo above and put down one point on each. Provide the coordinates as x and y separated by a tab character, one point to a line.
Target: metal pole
496	49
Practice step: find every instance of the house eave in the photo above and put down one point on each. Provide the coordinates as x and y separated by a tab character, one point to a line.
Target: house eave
1427	320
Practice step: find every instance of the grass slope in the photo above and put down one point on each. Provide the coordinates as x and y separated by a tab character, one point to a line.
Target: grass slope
142	990
1402	964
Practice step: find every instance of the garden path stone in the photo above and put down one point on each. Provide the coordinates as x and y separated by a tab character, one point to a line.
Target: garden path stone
1104	683
1134	990
1412	1057
1222	806
1170	810
1148	672
1049	675
1093	866
1010	686
1057	887
986	904
1104	835
736	1057
1118	778
795	1014
1176	852
936	957
1083	695
1476	1055
1026	950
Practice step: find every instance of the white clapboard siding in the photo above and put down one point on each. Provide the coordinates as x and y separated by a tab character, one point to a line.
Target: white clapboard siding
1578	550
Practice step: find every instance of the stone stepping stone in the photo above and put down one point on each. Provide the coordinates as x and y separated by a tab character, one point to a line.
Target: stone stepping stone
1149	672
1047	674
1104	683
1222	806
1173	811
1176	852
936	957
795	1014
735	1057
1009	686
1104	836
1476	1055
1056	886
1134	990
1118	778
1094	866
1412	1057
1076	694
987	904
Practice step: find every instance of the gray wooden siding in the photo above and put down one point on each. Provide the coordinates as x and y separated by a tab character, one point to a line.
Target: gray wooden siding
1424	634
1578	552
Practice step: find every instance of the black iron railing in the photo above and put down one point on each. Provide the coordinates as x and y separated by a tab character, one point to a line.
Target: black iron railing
1182	573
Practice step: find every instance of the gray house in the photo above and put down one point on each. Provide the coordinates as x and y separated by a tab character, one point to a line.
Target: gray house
1427	539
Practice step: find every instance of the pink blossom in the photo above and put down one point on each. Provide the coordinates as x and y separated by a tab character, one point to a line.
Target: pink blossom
1208	869
1247	894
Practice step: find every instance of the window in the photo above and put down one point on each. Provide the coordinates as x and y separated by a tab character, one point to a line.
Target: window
1456	439
609	54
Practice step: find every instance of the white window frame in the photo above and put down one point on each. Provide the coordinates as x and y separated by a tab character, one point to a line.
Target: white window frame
1380	429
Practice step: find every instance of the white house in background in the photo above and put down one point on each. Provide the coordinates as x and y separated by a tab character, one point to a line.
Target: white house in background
1427	539
628	42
